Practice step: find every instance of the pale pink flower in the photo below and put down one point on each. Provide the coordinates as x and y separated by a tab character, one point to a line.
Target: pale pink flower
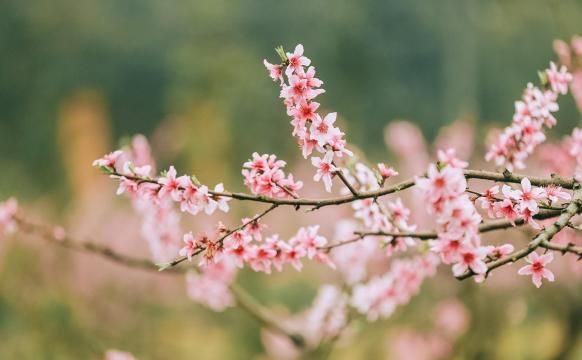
507	210
309	239
190	247
304	111
448	247
254	228
307	144
555	193
537	268
449	157
559	79
442	184
296	60
386	172
221	201
471	259
170	185
501	251
108	160
527	197
322	129
487	201
325	169
309	76
275	70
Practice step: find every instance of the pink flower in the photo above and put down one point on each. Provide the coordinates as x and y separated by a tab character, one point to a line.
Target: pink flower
325	169
559	79
386	172
170	185
527	196
507	210
296	60
501	251
191	246
8	210
449	157
304	111
108	160
554	193
221	201
487	201
254	228
309	240
275	71
448	247
448	182
322	129
537	268
471	259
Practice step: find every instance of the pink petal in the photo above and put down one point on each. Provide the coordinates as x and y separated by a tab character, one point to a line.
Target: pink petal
526	270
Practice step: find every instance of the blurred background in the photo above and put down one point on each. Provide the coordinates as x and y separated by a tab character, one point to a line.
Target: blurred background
77	77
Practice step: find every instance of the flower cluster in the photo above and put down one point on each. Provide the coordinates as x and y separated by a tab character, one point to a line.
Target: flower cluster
299	87
391	217
246	246
458	242
7	211
521	203
186	190
263	175
160	221
532	113
379	297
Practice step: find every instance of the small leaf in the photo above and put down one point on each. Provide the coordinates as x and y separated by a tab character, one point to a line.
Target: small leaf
164	266
281	52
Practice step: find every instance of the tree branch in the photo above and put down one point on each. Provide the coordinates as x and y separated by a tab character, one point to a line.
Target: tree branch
241	296
545	236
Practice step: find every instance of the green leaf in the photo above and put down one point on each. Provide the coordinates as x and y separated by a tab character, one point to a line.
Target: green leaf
164	266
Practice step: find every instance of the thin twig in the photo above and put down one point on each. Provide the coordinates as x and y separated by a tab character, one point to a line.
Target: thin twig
567	183
543	236
483	228
241	296
179	260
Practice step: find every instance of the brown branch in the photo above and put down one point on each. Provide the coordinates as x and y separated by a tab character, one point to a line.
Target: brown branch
566	248
567	183
179	260
544	236
506	176
241	296
483	228
346	182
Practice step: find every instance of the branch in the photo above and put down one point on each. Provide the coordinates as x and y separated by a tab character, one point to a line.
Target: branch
567	183
483	228
545	236
219	241
241	296
567	248
506	176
